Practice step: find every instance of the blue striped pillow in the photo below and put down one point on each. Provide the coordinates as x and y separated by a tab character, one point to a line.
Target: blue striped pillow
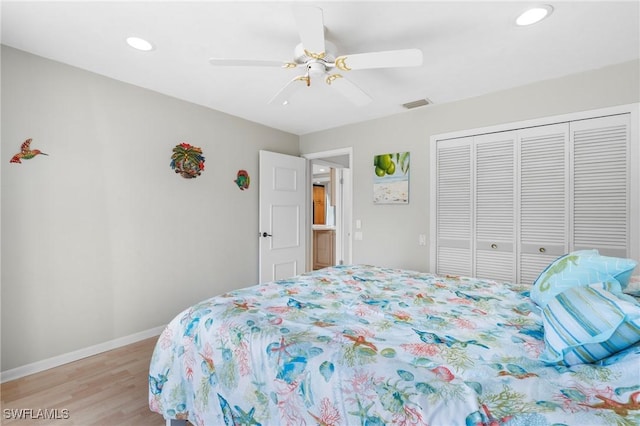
587	324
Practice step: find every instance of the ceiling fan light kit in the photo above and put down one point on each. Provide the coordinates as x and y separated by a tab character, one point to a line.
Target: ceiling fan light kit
317	56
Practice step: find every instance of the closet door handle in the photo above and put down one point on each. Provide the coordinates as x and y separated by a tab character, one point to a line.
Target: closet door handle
542	250
494	246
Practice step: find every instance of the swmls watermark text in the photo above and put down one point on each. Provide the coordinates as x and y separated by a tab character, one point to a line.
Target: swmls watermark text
36	414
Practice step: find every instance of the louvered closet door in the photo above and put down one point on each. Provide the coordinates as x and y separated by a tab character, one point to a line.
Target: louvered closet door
494	206
600	185
544	202
453	207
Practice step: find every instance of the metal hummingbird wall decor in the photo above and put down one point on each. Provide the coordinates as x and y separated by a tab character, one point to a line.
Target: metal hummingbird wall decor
26	153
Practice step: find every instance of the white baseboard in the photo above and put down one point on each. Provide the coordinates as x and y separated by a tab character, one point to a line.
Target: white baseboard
45	364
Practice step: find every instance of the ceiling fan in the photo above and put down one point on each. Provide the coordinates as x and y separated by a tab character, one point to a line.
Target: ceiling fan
318	58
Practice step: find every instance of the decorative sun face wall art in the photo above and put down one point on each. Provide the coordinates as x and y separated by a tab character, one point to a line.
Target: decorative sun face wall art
187	160
391	178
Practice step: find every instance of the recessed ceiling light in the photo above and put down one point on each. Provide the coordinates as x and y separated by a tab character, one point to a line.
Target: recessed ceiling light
139	43
533	15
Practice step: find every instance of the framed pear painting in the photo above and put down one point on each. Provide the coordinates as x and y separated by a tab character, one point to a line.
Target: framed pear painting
391	178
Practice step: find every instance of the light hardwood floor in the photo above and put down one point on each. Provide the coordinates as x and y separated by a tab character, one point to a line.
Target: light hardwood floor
105	389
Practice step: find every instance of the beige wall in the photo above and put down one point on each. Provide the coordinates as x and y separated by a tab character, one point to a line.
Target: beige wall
390	232
101	239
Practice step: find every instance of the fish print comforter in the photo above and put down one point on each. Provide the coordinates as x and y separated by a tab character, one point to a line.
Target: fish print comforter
364	345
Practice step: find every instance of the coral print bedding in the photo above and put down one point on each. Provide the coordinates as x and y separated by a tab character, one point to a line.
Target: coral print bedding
363	345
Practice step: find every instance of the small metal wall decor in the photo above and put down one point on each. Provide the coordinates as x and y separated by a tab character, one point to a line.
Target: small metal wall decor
243	180
187	160
26	153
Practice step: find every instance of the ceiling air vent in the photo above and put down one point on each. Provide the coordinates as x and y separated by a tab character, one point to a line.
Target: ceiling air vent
416	104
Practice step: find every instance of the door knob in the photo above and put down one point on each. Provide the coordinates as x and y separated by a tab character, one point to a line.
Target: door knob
264	234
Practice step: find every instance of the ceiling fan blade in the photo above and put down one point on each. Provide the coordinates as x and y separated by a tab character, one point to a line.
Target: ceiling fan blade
311	28
387	59
220	62
283	96
348	89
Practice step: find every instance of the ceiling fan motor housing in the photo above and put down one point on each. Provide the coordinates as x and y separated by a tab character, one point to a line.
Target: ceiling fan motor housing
301	56
316	67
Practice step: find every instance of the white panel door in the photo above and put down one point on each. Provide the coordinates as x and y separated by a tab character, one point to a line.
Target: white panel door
282	216
543	198
600	190
454	213
495	206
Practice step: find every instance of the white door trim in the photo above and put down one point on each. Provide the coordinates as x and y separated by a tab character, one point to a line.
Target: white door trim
343	223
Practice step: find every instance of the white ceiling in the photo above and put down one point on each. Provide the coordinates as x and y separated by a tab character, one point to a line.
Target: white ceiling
470	48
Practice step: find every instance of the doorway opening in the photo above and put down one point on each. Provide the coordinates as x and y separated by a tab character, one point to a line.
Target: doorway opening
330	204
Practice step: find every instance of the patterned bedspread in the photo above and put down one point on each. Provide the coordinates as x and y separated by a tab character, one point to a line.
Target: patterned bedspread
362	345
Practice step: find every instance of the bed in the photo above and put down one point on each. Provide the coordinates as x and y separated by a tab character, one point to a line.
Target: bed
365	345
